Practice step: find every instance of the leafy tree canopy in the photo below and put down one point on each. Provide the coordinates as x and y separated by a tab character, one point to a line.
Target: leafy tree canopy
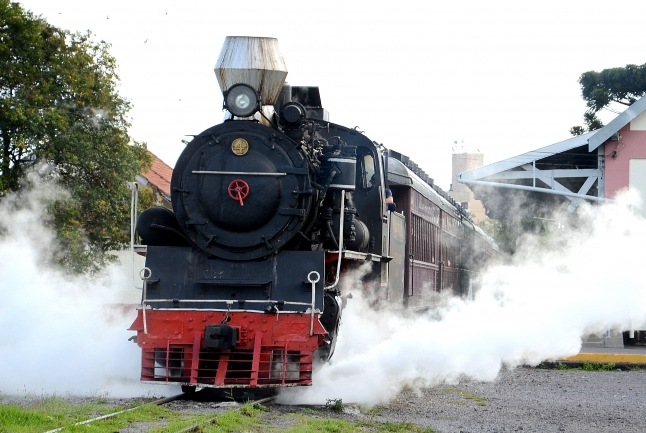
601	89
59	106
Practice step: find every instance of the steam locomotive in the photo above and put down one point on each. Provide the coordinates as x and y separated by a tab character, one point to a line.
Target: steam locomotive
271	209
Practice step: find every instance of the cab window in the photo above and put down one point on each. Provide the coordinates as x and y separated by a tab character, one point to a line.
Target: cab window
365	169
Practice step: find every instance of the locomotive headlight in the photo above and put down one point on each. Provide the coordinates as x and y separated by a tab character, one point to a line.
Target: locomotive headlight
241	100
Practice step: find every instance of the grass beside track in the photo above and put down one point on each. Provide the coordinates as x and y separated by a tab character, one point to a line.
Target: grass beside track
591	366
53	413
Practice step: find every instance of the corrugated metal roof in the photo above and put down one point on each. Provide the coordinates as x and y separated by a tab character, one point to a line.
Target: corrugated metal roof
593	139
525	158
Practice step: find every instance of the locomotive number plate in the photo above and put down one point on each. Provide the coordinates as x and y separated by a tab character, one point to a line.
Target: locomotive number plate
240	146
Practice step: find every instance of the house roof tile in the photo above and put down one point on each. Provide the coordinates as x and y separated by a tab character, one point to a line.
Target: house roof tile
159	175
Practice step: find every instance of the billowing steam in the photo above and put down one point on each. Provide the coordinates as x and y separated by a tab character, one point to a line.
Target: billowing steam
587	280
63	335
60	335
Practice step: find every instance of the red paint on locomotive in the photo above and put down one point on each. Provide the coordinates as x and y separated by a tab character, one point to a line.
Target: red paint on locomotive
270	349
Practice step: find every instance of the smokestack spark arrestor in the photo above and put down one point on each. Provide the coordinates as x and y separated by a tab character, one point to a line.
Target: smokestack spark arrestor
254	62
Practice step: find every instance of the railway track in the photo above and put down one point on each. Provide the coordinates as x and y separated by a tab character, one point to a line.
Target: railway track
159	402
194	427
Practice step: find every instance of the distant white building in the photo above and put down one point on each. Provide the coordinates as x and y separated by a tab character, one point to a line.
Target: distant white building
460	192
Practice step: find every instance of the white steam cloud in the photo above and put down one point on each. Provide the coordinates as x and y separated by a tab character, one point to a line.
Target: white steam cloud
60	335
524	313
63	335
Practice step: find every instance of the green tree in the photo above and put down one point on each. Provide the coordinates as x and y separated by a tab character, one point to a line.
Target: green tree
601	89
59	107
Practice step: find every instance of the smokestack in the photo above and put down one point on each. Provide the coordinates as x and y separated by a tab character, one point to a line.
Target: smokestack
255	61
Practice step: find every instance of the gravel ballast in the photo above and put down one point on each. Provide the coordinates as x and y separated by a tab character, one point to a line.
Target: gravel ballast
531	400
519	400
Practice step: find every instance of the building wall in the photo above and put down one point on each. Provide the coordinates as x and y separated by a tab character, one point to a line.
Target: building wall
460	192
630	147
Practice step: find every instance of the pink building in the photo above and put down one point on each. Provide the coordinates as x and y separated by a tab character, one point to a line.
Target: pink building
589	167
625	157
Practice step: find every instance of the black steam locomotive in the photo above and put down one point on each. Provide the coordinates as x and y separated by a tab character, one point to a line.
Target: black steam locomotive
271	209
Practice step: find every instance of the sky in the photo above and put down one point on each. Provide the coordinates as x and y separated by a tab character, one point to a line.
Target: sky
424	78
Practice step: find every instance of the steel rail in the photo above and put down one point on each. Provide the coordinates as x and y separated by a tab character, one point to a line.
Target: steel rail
110	415
194	427
155	402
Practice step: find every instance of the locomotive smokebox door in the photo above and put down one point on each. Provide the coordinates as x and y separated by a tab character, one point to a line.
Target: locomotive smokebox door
220	337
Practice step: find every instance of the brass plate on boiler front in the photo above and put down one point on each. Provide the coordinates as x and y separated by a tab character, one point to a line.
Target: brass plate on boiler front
240	146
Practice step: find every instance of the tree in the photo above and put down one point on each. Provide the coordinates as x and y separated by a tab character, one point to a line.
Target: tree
601	89
59	106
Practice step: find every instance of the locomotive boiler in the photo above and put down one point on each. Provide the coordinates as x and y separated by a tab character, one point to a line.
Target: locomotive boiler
271	209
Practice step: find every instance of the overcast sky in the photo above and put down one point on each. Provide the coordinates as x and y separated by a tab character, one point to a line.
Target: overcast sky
498	76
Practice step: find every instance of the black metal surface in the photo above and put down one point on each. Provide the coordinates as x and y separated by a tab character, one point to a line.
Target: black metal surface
187	274
277	200
220	337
